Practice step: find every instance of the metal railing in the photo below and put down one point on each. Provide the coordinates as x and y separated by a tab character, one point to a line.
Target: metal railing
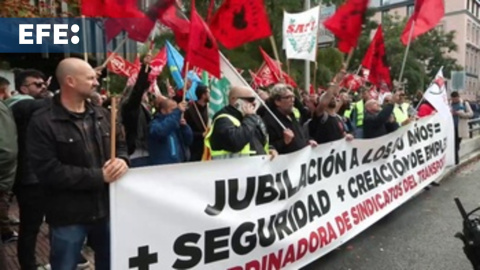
474	127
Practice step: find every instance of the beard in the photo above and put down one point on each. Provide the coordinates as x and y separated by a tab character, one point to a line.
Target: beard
332	104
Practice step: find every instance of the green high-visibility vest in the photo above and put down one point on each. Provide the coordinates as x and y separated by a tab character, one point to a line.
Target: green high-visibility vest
223	154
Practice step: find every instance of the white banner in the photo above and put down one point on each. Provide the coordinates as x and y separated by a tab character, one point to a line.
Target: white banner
437	96
256	214
300	31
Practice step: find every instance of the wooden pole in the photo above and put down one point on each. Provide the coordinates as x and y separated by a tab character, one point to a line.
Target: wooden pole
149	52
288	67
349	58
113	53
406	52
185	82
113	127
277	57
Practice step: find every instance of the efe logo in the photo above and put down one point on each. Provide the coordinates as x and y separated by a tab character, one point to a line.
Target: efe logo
60	33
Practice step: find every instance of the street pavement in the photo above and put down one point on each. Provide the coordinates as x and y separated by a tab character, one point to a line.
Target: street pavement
416	236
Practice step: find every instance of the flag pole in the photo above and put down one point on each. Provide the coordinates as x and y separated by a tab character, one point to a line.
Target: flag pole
149	51
288	67
113	126
185	82
423	96
349	58
113	53
277	57
315	70
85	55
406	52
235	72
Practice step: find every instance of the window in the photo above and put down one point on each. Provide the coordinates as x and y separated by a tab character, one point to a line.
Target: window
468	4
467	60
472	39
469	25
474	66
410	10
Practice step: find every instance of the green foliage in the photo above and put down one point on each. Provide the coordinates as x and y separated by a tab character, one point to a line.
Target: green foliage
115	83
427	53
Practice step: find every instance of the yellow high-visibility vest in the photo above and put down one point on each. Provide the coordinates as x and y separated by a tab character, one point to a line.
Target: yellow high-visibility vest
360	113
401	114
223	154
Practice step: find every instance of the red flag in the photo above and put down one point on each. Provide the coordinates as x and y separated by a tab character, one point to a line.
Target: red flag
139	27
375	60
352	82
120	66
265	76
111	9
426	16
256	81
276	71
202	47
240	21
173	18
157	64
346	23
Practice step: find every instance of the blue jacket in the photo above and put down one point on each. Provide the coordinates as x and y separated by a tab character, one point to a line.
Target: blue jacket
168	141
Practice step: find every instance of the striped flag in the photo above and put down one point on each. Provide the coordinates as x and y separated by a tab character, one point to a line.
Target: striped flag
218	95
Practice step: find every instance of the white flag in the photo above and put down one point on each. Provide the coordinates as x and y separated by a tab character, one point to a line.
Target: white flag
300	32
436	94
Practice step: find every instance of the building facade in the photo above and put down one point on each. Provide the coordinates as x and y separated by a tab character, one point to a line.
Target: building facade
461	16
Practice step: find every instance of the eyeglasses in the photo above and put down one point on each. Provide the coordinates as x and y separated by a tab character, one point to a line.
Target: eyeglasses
37	84
288	97
402	95
248	99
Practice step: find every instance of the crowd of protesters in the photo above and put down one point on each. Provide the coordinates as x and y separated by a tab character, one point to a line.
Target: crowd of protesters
55	148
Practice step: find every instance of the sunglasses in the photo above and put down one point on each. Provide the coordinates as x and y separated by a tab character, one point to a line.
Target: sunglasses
248	99
37	84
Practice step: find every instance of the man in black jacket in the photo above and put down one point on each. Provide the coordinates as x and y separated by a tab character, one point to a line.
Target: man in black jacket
378	121
68	144
293	138
136	118
236	130
197	118
32	96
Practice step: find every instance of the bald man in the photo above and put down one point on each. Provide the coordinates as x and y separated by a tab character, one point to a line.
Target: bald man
69	147
169	135
236	130
379	121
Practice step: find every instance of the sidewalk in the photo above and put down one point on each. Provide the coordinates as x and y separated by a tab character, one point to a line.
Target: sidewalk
43	247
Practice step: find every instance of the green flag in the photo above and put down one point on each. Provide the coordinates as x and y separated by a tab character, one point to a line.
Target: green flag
205	78
218	95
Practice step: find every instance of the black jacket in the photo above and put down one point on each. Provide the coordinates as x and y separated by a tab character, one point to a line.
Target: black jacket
193	120
135	118
375	125
275	132
22	112
75	190
226	136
